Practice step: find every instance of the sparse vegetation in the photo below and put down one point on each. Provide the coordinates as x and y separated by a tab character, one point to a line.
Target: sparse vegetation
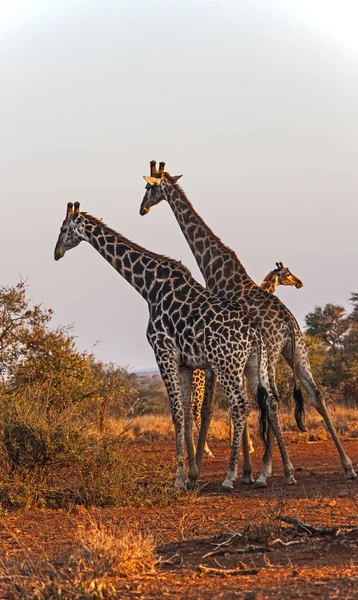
101	553
92	447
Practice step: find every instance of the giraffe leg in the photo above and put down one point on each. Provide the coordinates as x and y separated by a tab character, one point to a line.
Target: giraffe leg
206	414
318	401
239	408
246	478
186	382
266	469
198	391
169	371
274	426
247	449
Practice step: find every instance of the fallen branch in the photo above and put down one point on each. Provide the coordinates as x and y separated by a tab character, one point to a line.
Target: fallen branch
235	550
170	561
309	528
224	572
282	543
226	543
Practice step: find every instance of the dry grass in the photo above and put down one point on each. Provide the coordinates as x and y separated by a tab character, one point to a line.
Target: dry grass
105	549
159	427
103	553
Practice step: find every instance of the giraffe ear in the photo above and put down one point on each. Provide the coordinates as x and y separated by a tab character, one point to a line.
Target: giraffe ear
152	180
176	177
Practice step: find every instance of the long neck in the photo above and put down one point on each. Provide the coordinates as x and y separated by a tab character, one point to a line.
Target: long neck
222	270
270	283
145	271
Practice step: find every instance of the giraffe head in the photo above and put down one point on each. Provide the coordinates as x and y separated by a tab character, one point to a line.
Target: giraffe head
72	231
156	183
285	277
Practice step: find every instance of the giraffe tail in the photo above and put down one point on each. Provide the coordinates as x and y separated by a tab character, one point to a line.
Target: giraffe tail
261	392
297	393
261	396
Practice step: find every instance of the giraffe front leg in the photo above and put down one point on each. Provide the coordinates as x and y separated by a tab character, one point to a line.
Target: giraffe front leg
198	392
276	426
169	370
266	469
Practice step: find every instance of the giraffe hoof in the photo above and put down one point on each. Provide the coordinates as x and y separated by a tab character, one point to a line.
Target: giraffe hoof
190	485
247	480
291	480
259	484
227	488
180	486
209	454
351	474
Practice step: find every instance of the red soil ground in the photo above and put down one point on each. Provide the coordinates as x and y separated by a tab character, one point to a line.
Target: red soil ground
319	566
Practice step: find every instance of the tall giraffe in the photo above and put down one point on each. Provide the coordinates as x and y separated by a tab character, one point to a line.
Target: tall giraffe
188	328
226	277
279	276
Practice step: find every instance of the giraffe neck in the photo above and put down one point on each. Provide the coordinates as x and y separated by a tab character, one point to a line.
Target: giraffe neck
222	270
270	283
146	271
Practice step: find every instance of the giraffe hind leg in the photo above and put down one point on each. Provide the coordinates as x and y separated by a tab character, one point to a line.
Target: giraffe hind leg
318	401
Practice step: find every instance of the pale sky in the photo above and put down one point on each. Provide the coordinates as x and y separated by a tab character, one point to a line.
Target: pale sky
254	102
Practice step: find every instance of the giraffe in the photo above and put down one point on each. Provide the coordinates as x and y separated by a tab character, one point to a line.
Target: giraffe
188	328
279	276
226	277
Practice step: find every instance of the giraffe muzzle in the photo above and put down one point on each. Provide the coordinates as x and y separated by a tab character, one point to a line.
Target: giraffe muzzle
58	253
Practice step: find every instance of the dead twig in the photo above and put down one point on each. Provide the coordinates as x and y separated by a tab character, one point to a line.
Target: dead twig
311	529
235	550
224	572
169	561
282	543
223	544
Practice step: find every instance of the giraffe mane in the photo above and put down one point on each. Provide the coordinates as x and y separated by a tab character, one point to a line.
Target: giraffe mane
119	236
180	190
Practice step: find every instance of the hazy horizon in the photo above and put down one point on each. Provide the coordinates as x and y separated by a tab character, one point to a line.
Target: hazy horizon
254	103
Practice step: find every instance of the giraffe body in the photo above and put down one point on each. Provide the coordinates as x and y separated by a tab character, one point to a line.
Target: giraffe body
226	277
188	328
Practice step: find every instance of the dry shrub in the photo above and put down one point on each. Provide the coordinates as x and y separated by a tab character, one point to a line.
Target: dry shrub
106	549
103	554
269	527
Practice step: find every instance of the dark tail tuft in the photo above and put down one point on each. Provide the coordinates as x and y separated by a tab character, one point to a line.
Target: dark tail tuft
262	396
299	408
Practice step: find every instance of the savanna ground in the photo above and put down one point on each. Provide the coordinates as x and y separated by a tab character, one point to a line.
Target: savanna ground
161	544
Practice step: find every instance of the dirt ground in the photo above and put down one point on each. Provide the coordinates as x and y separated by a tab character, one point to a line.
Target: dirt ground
243	529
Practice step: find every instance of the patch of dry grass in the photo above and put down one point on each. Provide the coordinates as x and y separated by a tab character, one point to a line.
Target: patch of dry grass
103	552
160	427
105	549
